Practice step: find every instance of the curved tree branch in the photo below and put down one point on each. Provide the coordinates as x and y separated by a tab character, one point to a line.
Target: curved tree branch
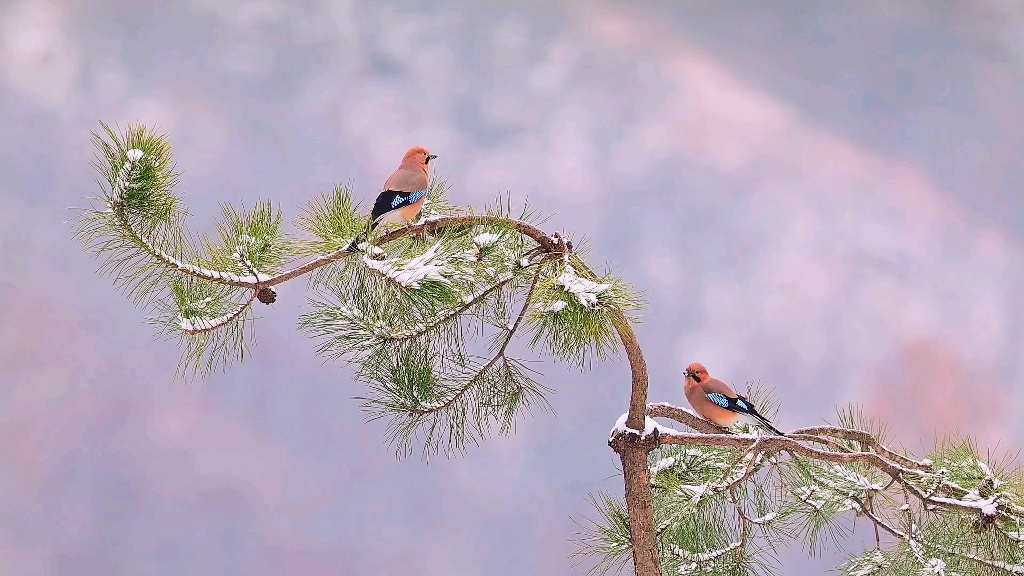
547	243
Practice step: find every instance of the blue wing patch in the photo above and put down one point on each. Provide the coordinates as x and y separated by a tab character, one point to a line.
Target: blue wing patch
389	200
719	398
743	404
412	198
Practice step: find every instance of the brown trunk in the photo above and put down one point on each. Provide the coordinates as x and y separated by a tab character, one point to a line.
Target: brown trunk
633	451
639	508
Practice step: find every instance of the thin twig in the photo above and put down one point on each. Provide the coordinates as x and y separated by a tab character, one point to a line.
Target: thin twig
409	335
498	355
225	320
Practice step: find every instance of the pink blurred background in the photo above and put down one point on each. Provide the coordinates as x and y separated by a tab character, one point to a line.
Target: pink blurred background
825	199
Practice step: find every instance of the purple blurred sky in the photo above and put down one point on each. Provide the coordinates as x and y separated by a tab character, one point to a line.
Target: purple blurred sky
826	199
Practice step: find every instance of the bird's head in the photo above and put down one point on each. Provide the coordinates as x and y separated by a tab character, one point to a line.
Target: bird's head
697	371
418	156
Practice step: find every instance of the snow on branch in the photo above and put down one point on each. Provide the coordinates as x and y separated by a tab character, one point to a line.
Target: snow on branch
586	291
650	426
228	278
410	273
201	324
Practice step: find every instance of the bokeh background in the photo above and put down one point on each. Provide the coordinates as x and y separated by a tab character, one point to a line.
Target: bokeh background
824	197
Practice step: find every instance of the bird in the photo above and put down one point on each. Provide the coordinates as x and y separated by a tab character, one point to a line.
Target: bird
404	191
716	402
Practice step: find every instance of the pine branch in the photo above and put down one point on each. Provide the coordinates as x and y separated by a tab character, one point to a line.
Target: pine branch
549	244
203	324
448	316
963	489
498	355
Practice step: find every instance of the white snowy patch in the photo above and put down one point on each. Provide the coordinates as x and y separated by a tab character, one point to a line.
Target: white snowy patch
934	567
527	261
649	427
203	322
866	565
698	561
134	155
410	273
808	493
486	240
766	518
848	505
984	468
370	249
202	304
663	464
204	272
556	306
245	244
586	291
348	310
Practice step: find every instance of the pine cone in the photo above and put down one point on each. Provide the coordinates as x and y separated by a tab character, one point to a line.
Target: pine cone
267	295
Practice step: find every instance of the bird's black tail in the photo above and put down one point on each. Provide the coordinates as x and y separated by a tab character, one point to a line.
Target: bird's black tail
353	246
768	426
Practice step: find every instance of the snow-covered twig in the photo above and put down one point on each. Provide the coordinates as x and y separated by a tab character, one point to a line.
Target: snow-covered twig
201	324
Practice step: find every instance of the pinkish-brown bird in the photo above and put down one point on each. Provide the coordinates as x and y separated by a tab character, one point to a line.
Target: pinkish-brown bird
405	190
403	195
718	403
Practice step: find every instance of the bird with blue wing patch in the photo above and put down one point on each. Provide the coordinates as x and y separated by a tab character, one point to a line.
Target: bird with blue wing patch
404	192
716	402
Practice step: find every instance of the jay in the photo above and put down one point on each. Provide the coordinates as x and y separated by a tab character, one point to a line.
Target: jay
716	402
401	200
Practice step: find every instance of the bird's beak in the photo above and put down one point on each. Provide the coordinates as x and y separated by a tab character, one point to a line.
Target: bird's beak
688	374
431	157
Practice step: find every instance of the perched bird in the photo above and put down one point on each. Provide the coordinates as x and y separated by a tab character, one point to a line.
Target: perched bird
716	402
404	191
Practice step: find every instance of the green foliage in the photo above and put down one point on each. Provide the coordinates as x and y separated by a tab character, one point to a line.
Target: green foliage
223	327
698	528
137	230
427	321
138	217
577	327
248	241
606	539
332	219
409	318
